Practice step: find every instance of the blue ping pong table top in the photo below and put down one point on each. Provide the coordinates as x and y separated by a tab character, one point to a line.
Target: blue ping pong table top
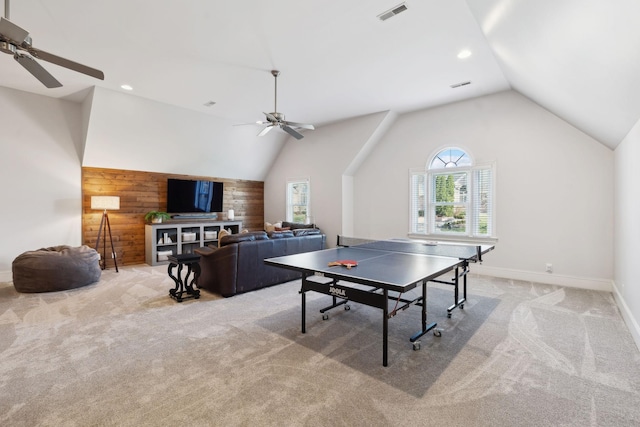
393	268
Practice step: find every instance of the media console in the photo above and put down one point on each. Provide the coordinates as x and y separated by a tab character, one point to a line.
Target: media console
179	237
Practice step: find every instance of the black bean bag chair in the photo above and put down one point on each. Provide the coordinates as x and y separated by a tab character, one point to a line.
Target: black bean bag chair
57	268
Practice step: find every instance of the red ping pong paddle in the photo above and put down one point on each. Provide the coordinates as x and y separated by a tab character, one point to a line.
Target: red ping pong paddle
345	263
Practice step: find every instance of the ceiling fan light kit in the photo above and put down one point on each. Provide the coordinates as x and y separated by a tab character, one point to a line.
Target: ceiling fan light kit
15	40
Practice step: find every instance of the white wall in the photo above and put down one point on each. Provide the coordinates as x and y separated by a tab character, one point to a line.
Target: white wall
133	133
554	183
43	150
324	155
627	230
40	152
554	186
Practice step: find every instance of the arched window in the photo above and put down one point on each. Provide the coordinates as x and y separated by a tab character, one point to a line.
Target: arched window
452	196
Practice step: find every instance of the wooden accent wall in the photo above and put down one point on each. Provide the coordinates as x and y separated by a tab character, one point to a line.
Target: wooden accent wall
141	192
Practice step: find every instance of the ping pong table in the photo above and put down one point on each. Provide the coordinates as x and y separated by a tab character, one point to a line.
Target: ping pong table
386	270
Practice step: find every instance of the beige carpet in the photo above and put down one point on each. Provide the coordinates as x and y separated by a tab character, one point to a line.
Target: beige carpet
121	352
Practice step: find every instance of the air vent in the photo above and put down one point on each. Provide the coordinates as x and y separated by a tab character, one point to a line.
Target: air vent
392	12
460	84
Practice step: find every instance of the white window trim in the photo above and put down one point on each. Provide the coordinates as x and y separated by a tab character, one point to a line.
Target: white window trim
430	234
288	201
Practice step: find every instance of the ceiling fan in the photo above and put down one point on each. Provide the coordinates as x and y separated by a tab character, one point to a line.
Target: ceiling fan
15	41
276	119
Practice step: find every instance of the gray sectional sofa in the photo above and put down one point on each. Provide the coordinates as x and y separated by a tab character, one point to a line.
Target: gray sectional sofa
237	265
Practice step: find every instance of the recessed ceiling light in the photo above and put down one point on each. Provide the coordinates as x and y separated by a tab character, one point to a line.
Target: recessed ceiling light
464	54
126	87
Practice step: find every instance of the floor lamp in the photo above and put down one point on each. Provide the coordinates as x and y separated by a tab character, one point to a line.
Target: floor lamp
106	203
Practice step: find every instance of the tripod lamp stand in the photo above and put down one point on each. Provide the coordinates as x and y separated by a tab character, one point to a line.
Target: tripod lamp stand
106	203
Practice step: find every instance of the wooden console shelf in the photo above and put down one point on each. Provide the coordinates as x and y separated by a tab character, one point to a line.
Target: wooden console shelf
182	237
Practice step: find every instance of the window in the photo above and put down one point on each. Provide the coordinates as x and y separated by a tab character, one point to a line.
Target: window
452	197
298	200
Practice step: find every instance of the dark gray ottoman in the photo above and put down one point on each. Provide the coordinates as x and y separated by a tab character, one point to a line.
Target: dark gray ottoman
57	268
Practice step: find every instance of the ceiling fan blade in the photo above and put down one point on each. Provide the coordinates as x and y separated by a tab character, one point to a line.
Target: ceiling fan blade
300	125
11	31
292	132
37	70
265	131
66	63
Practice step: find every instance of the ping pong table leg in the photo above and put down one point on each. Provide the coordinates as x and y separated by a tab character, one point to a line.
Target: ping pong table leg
425	327
457	301
456	292
385	327
303	293
464	281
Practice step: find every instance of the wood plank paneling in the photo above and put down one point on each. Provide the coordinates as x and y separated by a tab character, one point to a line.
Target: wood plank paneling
141	192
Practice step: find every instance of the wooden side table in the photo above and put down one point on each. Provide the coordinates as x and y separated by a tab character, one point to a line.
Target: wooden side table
184	286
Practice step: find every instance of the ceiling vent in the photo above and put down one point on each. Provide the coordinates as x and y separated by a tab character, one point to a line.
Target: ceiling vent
460	84
392	12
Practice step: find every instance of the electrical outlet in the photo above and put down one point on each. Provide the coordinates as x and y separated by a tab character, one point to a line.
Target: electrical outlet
549	268
113	255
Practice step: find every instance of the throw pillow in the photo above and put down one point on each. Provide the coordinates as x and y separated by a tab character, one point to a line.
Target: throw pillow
297	225
221	234
305	232
271	227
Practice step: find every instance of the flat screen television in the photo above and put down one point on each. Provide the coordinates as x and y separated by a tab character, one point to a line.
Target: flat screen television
191	196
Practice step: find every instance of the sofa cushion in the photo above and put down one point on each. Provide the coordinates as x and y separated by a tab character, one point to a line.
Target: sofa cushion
305	232
236	238
297	225
259	235
280	234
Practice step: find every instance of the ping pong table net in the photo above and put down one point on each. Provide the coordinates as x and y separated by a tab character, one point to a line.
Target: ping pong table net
461	251
346	241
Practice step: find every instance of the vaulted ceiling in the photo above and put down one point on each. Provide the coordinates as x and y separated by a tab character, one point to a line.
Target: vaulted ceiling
577	58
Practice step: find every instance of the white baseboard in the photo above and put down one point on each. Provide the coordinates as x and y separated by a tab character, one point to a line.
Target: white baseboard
631	322
548	278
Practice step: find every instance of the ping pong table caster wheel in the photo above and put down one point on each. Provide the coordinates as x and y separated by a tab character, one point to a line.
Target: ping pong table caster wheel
347	307
325	317
449	315
437	332
416	346
461	306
